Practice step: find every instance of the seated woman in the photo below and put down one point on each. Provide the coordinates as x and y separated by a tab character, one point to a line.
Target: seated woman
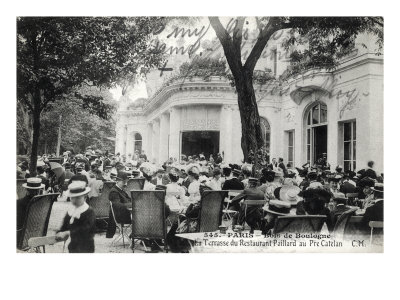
194	187
175	194
314	203
80	221
252	215
148	176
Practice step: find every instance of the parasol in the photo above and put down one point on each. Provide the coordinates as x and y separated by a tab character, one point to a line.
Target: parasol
57	169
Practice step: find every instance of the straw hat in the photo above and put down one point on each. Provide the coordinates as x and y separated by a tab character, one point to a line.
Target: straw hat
278	207
77	188
289	193
34	184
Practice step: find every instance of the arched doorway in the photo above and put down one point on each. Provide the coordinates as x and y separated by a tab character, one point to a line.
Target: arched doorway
137	142
316	123
266	134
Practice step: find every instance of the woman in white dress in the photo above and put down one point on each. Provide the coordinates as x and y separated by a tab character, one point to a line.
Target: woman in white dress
148	175
194	187
175	194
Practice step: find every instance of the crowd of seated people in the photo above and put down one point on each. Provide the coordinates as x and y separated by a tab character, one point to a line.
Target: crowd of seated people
309	190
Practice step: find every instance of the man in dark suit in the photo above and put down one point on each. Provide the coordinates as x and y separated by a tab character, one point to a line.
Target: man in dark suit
120	201
233	183
374	212
253	214
34	187
340	207
282	166
369	172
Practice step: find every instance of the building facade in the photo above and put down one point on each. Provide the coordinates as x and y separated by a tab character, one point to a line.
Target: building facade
338	112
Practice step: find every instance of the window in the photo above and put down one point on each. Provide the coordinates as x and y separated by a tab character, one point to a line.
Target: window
349	146
316	131
138	142
290	158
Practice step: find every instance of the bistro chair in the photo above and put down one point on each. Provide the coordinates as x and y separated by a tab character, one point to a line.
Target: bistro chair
375	225
123	229
299	224
37	219
211	210
21	191
100	204
342	223
251	204
148	217
226	212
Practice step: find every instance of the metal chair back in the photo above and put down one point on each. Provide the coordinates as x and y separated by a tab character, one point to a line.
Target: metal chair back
21	191
299	224
148	215
37	218
211	205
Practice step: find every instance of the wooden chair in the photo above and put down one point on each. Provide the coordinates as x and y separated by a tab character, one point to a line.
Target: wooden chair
374	225
121	227
101	204
211	210
148	216
37	219
341	223
299	224
226	212
21	191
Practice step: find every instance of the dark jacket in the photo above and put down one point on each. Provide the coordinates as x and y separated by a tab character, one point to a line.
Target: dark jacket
233	184
82	232
347	187
120	199
372	213
337	212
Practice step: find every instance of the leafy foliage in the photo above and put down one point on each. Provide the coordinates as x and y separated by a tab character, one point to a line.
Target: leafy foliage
79	127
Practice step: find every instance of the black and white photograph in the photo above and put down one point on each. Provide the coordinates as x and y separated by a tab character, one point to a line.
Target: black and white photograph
203	134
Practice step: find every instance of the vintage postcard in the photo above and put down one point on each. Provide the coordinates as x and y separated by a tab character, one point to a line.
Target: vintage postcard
199	134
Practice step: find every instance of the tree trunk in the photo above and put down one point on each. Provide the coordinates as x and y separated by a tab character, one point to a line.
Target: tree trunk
36	133
250	119
59	139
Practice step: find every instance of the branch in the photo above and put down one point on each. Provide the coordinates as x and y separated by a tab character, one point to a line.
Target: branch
273	25
237	35
232	56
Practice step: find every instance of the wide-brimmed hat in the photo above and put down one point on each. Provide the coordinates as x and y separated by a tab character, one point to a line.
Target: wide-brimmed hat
278	207
34	184
366	181
340	197
378	187
77	188
236	172
289	193
253	180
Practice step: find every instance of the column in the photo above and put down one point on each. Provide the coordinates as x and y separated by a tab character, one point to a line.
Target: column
226	133
174	132
155	141
149	137
163	143
237	152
